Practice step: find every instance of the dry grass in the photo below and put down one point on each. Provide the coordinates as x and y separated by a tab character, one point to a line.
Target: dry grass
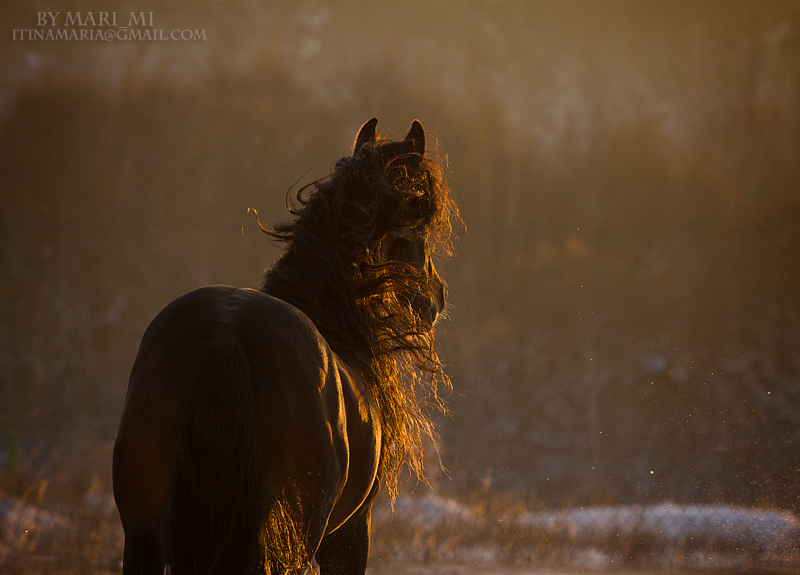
82	539
57	523
57	514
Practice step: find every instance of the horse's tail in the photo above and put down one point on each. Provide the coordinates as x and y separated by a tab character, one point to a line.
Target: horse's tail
217	499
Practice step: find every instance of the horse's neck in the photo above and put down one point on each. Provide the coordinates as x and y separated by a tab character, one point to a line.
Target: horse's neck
331	317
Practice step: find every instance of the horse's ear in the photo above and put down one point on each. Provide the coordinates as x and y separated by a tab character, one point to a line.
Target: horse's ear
365	134
417	135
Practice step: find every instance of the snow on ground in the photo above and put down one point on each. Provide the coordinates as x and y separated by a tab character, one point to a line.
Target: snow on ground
24	526
434	529
714	526
702	525
426	512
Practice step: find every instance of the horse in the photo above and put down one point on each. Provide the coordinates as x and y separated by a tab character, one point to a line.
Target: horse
259	424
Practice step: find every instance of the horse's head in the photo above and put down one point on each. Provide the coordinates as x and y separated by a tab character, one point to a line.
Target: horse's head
370	229
409	243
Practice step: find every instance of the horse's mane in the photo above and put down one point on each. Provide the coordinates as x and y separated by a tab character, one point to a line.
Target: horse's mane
333	270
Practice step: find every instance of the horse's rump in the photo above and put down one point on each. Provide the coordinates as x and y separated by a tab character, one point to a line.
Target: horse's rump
254	396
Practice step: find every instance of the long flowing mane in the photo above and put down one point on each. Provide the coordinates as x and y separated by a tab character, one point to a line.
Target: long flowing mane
333	269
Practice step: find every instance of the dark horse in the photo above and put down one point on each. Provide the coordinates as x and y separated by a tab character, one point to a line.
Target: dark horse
259	425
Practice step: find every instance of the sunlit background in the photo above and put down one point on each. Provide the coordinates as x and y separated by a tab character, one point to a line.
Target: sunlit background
626	320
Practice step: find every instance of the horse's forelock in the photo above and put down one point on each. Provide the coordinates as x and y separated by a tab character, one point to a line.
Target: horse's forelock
406	195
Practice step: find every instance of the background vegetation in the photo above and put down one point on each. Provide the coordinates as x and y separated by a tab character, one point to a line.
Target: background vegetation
626	325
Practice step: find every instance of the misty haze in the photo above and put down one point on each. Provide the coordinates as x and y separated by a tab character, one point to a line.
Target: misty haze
624	335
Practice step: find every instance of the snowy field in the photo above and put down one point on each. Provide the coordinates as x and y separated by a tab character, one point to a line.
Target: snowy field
432	535
404	569
431	529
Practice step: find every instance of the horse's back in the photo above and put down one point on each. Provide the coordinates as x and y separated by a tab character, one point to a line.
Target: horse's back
298	403
267	327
